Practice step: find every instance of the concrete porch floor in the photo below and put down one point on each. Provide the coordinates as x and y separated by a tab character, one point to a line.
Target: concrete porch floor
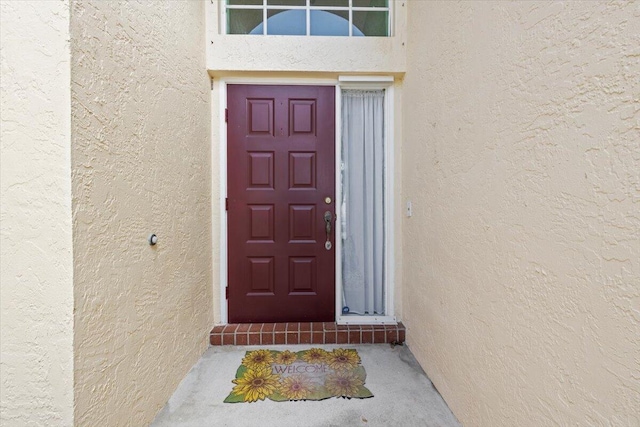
403	395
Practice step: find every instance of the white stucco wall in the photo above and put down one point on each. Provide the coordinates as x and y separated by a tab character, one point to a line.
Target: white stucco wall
255	53
141	164
36	270
522	258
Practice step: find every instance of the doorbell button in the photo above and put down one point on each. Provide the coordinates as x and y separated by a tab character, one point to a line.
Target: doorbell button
152	239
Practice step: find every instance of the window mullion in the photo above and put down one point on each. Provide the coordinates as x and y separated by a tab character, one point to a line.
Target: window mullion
350	18
308	14
389	19
264	17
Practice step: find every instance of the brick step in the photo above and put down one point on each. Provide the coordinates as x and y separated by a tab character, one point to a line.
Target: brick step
306	333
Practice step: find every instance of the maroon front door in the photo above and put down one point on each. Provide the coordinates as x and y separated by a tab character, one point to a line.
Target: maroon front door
281	184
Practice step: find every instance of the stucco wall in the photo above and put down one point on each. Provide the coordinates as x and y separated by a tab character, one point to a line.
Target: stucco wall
141	164
232	53
522	258
36	271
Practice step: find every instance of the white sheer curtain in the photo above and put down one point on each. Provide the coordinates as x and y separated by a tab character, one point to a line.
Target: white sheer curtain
363	201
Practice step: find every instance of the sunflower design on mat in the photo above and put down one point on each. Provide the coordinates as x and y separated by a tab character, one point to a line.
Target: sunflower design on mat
256	384
341	359
258	358
286	358
296	387
343	383
284	376
315	356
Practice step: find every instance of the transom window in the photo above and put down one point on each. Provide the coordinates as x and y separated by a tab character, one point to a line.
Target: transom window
309	17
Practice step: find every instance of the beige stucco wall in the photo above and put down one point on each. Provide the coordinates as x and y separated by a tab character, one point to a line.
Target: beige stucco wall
36	271
522	258
255	53
141	164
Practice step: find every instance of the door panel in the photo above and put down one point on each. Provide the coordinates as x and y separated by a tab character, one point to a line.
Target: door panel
281	166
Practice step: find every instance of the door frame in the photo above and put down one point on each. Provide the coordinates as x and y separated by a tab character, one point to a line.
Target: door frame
342	82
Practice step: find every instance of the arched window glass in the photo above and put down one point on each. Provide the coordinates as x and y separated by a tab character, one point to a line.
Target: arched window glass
293	23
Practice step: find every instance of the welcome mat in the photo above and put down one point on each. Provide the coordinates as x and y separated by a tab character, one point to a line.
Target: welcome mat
314	374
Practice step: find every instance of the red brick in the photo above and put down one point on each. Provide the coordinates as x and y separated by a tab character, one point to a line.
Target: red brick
280	338
330	337
267	338
230	328
255	327
216	339
228	339
292	337
329	326
305	337
317	338
305	333
241	339
304	327
243	327
254	339
268	327
392	335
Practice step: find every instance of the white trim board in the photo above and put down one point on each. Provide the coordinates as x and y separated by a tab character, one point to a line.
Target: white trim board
224	274
366	79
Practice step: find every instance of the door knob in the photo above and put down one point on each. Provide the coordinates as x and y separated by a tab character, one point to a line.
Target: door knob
327	220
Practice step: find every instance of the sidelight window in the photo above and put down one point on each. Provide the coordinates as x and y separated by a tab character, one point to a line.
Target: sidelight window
353	18
363	203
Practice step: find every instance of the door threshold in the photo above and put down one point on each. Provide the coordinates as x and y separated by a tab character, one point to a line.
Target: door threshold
306	333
